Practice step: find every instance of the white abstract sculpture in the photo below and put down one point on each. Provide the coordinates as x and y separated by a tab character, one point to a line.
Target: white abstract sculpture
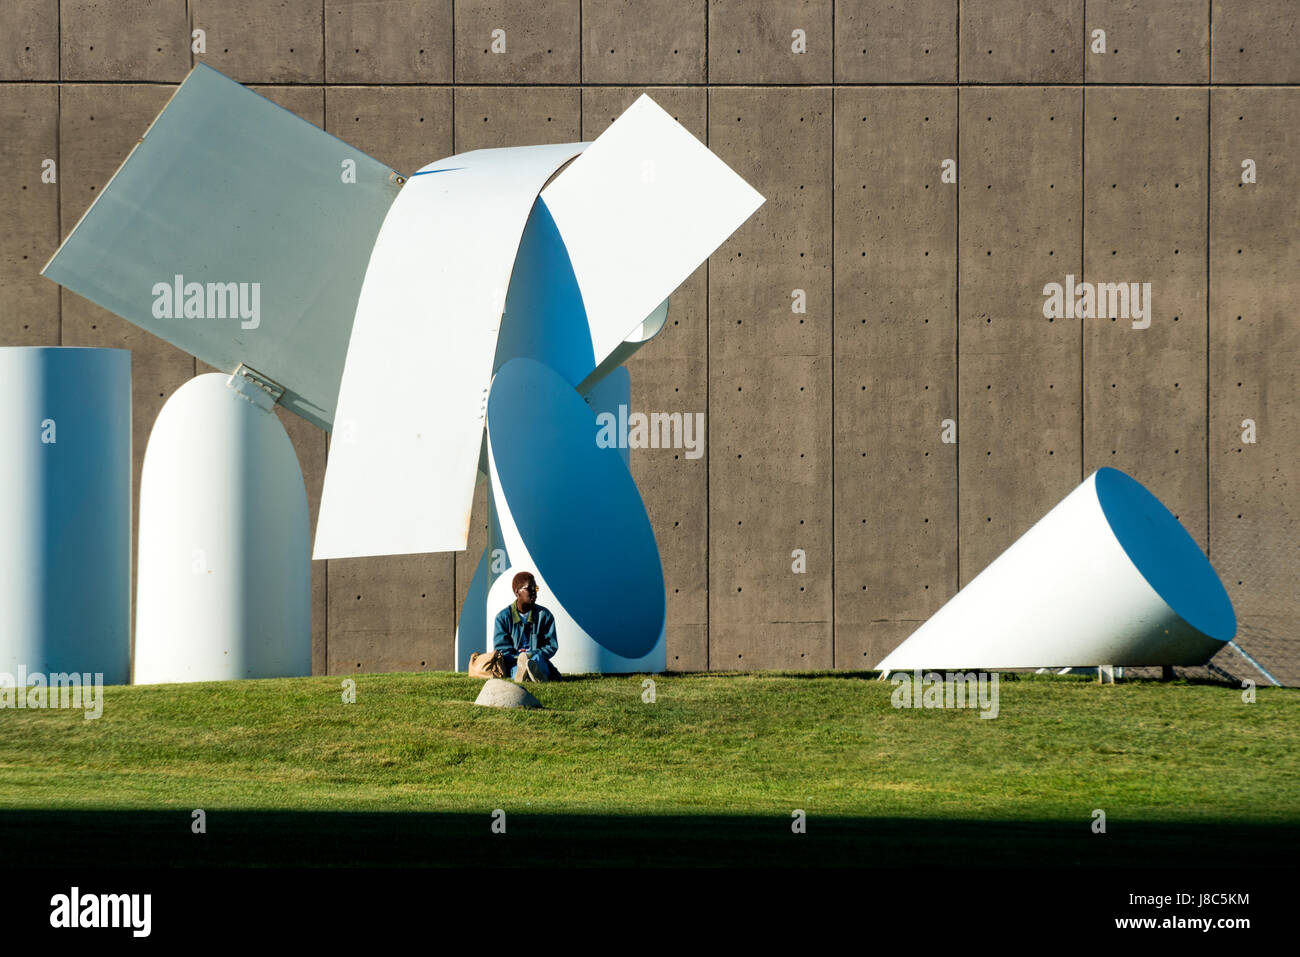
1107	577
574	277
65	525
415	318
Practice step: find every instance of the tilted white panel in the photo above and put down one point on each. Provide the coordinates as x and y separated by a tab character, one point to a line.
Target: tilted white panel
639	211
239	233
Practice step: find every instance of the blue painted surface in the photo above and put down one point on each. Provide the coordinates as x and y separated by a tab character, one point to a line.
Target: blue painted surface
545	318
1166	555
65	532
577	508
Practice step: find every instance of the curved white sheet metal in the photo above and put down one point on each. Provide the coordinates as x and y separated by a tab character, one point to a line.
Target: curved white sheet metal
597	253
409	425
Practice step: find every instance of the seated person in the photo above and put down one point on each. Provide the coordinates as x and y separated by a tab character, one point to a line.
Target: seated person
525	634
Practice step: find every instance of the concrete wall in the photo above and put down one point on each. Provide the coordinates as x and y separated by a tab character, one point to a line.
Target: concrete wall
921	299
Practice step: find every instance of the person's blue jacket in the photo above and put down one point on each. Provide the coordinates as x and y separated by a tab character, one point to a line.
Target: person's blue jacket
533	632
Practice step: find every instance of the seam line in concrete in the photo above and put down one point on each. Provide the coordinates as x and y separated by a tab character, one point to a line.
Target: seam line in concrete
957	311
1209	238
708	419
671	85
1209	235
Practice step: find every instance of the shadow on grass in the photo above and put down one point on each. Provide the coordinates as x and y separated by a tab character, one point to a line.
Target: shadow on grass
116	839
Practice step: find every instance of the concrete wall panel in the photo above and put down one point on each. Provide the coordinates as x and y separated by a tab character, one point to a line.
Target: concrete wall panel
753	41
29	40
777	646
29	215
258	42
406	127
782	147
467	561
393	41
124	40
635	41
488	117
542	42
1150	41
1144	222
770	494
1255	41
770	472
895	365
1019	428
1022	41
1254	362
896	41
391	613
307	102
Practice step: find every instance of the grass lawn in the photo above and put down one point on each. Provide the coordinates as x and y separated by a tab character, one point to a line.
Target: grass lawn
709	773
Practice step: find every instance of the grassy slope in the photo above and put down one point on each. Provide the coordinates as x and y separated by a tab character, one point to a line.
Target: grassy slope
754	746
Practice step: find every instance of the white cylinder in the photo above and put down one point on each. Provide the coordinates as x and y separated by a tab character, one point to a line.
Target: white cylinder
65	511
1107	577
224	561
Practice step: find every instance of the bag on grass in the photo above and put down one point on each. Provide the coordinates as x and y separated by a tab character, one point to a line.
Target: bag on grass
488	664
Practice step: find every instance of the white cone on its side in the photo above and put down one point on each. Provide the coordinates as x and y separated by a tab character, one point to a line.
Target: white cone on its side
224	567
1108	576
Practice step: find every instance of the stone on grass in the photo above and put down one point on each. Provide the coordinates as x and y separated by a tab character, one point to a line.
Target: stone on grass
498	693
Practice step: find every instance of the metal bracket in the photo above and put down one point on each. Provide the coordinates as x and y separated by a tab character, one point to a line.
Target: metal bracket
258	389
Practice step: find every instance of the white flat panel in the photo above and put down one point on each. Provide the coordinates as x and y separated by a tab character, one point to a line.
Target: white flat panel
237	232
639	211
409	426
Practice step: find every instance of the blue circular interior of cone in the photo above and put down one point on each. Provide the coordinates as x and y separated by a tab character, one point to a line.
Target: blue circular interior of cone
1166	555
577	508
